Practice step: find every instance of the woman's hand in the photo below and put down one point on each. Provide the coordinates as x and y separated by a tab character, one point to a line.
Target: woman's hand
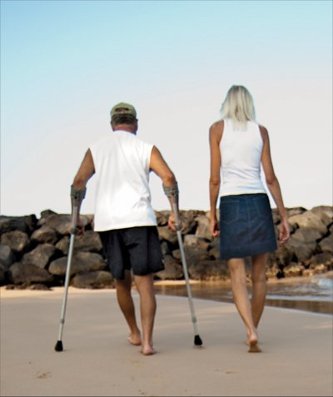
213	227
284	231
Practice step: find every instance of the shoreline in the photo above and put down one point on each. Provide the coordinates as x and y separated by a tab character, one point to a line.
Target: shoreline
214	290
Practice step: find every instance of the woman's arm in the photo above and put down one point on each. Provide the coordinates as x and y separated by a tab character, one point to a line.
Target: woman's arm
215	135
274	186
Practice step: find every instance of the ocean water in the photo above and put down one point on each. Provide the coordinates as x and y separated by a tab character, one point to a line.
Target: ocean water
313	294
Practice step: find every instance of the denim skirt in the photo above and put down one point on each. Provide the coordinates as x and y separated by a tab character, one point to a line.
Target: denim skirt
246	226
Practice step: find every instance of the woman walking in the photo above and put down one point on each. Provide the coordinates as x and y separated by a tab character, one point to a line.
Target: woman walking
238	148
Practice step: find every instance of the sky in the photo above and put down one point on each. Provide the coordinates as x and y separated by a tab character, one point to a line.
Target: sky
64	64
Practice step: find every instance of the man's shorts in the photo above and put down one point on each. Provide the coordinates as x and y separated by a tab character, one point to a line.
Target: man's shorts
136	248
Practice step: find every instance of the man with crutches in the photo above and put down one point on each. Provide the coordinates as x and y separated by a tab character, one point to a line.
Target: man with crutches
124	216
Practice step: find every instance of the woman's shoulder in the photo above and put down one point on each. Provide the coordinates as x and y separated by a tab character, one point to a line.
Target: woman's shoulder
263	132
217	126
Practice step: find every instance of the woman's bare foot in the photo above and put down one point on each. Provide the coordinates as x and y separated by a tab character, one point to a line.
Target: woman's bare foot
134	339
253	345
252	342
148	350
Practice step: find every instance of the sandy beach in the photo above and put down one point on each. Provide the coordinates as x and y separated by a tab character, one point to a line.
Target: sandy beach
98	361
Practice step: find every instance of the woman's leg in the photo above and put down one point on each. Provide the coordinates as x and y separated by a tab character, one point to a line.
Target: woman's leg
242	301
258	286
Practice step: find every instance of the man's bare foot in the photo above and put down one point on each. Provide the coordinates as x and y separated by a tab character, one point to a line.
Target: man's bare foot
148	350
134	339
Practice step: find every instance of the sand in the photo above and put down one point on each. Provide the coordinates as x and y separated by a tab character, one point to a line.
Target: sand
97	360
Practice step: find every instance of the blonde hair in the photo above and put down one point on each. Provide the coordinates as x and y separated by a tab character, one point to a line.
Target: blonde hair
238	106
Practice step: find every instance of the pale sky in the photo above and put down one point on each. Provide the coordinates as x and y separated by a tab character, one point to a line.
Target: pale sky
64	64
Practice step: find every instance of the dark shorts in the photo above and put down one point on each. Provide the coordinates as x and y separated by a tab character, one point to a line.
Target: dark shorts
135	248
246	226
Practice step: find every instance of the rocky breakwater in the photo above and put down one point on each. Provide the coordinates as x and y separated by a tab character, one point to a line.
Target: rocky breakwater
33	252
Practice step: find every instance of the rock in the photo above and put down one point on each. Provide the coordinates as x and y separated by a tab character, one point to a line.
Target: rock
301	250
62	223
82	262
173	270
295	211
28	274
45	234
96	279
310	220
191	240
326	244
189	221
194	255
293	270
29	246
203	228
162	217
209	270
325	258
40	256
6	256
88	242
12	223
325	213
17	240
168	235
307	235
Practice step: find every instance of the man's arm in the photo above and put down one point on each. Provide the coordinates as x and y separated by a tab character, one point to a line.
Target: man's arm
159	166
78	188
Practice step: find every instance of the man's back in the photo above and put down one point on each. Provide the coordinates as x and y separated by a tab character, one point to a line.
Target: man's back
121	163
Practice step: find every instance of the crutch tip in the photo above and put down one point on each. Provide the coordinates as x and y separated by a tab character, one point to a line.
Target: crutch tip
59	347
197	340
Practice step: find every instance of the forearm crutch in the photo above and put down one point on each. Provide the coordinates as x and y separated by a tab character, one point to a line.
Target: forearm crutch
77	196
197	339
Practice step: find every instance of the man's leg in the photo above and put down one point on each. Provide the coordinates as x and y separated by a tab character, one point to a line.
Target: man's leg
146	291
126	304
242	301
258	286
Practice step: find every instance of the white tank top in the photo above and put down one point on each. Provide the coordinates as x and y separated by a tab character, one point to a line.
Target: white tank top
122	200
241	159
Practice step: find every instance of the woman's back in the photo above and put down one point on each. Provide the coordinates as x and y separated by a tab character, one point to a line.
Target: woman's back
241	151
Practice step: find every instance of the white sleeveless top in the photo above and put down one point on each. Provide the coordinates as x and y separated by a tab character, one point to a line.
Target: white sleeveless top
123	199
241	159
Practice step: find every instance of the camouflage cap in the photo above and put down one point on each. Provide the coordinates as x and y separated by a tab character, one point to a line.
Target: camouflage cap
123	108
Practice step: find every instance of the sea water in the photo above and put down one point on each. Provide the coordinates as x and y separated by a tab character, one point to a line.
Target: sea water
313	294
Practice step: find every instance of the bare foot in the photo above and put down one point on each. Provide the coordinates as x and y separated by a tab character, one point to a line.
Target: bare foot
134	339
148	351
253	346
252	342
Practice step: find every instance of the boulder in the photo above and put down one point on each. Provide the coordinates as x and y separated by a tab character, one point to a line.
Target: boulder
310	220
326	244
45	234
6	256
40	256
20	273
95	279
209	270
173	269
82	262
89	241
17	240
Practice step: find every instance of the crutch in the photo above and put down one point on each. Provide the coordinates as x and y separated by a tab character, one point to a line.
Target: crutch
77	197
197	339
